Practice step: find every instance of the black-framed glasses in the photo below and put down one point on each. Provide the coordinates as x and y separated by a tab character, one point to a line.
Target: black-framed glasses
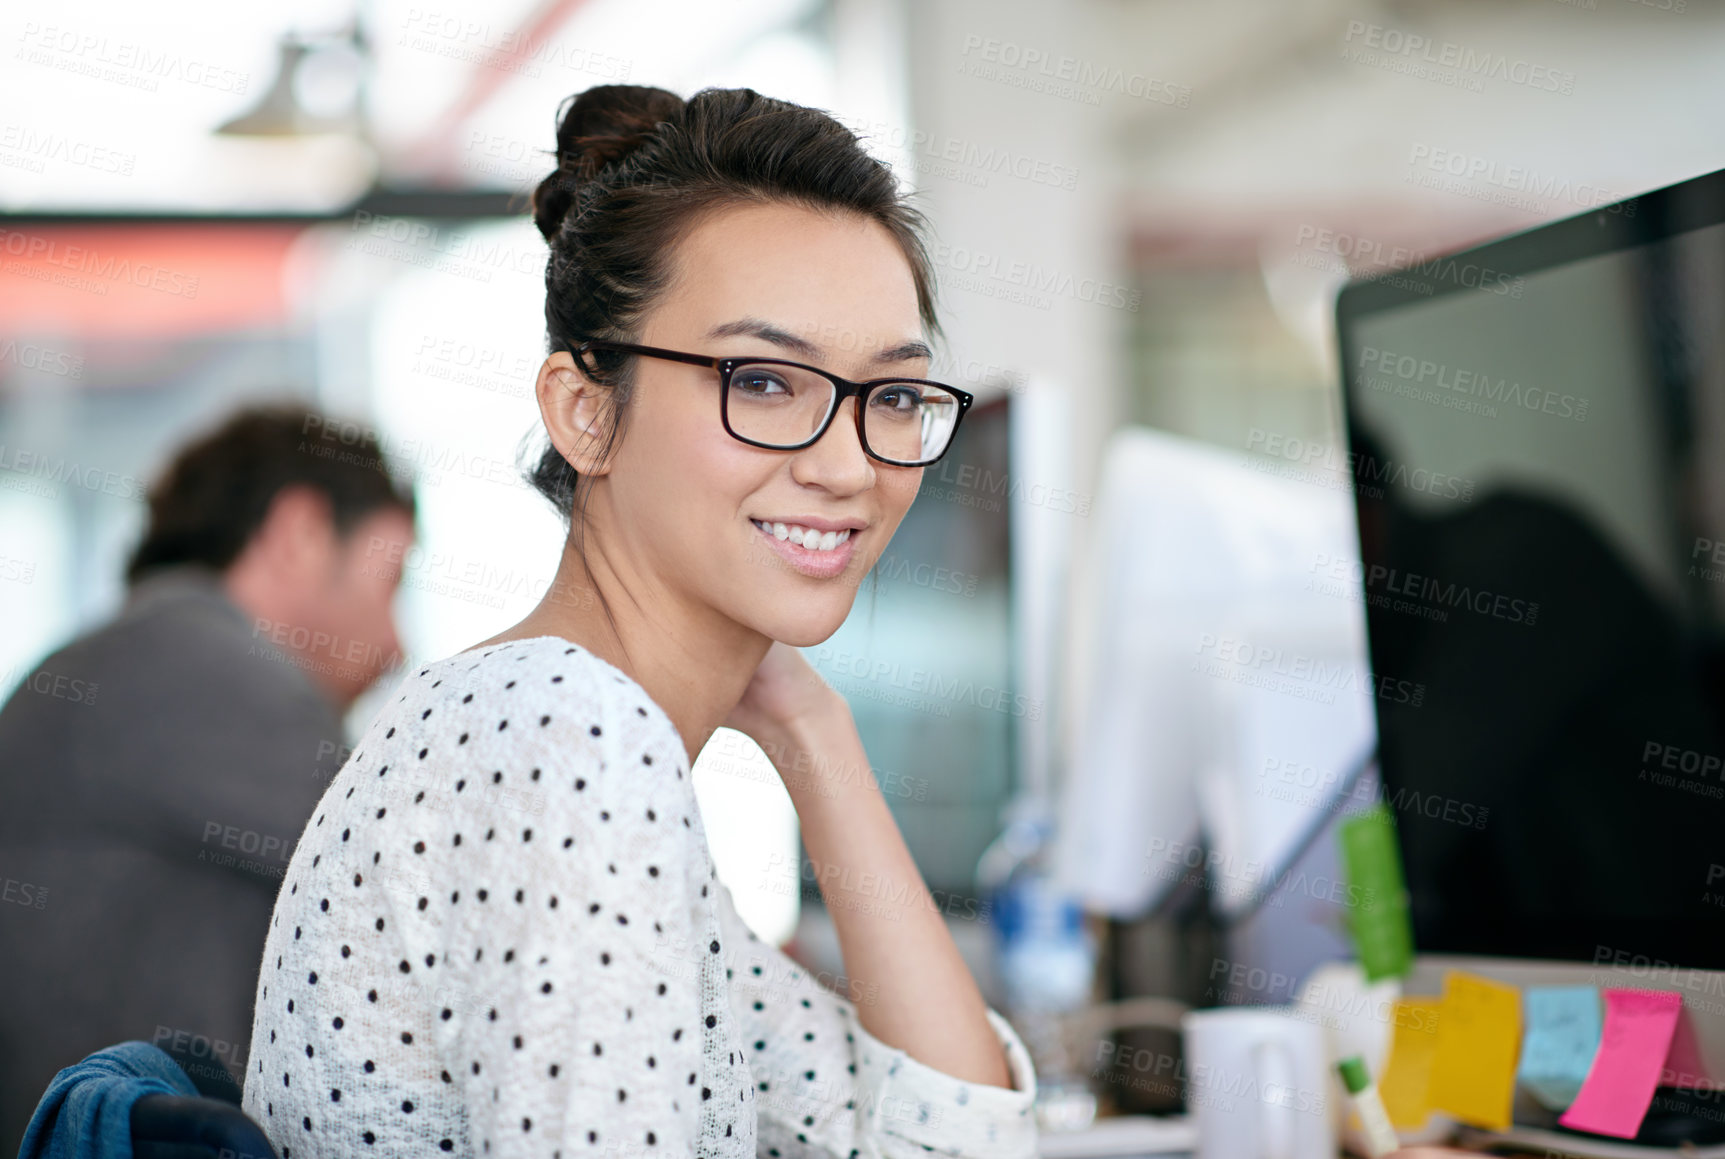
785	406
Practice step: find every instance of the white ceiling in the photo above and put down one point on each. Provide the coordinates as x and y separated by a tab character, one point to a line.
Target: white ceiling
1285	128
112	105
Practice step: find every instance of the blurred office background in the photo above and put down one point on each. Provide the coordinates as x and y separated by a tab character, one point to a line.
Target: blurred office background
1142	212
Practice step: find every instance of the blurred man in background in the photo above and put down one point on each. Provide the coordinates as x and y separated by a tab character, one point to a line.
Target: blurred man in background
156	772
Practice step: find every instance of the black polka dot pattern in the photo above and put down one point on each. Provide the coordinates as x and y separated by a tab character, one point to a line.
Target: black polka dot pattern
516	944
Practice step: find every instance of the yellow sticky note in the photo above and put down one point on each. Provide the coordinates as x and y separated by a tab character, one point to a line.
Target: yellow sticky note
1479	1035
1407	1075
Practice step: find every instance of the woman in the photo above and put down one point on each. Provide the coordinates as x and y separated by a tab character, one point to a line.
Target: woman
502	933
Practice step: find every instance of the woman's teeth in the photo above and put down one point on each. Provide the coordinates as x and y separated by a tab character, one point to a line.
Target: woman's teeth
804	537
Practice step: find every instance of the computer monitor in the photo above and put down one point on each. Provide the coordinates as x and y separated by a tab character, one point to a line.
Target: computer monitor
1537	432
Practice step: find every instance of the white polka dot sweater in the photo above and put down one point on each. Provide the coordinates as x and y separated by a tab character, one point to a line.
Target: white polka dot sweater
502	935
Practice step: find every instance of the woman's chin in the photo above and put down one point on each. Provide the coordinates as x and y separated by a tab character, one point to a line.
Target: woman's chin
806	630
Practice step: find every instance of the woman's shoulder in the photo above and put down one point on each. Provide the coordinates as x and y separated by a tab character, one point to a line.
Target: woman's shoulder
530	703
515	745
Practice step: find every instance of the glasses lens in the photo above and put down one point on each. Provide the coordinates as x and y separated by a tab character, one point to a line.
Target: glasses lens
778	405
785	405
910	421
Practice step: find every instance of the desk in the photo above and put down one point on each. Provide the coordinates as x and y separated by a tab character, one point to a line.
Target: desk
1176	1137
1124	1137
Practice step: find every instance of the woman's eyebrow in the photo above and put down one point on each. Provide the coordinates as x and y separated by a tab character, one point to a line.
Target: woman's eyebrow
802	348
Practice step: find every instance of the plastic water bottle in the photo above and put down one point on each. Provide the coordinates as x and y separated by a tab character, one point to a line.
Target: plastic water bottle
1046	958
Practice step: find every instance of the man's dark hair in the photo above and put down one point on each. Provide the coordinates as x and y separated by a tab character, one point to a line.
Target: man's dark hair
212	498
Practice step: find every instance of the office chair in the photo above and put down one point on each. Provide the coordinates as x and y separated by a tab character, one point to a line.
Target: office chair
209	1125
182	1127
199	1118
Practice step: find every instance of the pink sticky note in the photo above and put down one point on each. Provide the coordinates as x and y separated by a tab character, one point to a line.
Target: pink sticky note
1632	1048
1683	1065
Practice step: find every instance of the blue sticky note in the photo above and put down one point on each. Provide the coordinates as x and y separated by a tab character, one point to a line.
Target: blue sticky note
1563	1025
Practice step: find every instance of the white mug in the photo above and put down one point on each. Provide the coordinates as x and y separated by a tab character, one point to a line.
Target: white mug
1257	1084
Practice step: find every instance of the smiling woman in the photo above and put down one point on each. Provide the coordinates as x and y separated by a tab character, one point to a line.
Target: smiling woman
503	934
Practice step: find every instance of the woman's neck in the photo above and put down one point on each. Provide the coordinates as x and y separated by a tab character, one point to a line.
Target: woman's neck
694	663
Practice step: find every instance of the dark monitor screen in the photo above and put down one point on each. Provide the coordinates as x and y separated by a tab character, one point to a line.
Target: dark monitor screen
1537	436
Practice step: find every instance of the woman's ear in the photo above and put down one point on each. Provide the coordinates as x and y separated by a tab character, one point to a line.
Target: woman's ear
572	406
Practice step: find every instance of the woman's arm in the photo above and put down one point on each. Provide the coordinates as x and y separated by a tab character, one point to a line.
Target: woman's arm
895	943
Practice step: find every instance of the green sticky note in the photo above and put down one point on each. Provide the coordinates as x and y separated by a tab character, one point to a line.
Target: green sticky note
1377	897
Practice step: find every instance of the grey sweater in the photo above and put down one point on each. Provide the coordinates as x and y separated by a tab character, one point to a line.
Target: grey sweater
155	775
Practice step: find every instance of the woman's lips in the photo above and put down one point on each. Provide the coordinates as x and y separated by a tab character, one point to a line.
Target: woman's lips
816	564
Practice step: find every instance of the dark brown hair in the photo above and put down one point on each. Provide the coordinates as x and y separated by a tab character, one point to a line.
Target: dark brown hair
211	499
637	168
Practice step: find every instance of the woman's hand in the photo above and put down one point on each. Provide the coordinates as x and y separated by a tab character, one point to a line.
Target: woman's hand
784	692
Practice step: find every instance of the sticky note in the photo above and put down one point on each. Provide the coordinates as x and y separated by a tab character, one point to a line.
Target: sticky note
1407	1075
1378	914
1632	1049
1473	1067
1683	1064
1563	1025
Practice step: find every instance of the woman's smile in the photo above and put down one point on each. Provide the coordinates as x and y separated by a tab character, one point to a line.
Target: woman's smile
821	555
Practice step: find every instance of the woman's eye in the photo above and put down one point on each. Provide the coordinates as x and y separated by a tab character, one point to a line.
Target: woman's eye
758	383
899	398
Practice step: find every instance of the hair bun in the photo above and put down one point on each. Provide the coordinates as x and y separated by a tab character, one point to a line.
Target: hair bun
597	127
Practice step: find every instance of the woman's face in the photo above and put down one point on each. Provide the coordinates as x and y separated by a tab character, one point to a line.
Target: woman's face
685	498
